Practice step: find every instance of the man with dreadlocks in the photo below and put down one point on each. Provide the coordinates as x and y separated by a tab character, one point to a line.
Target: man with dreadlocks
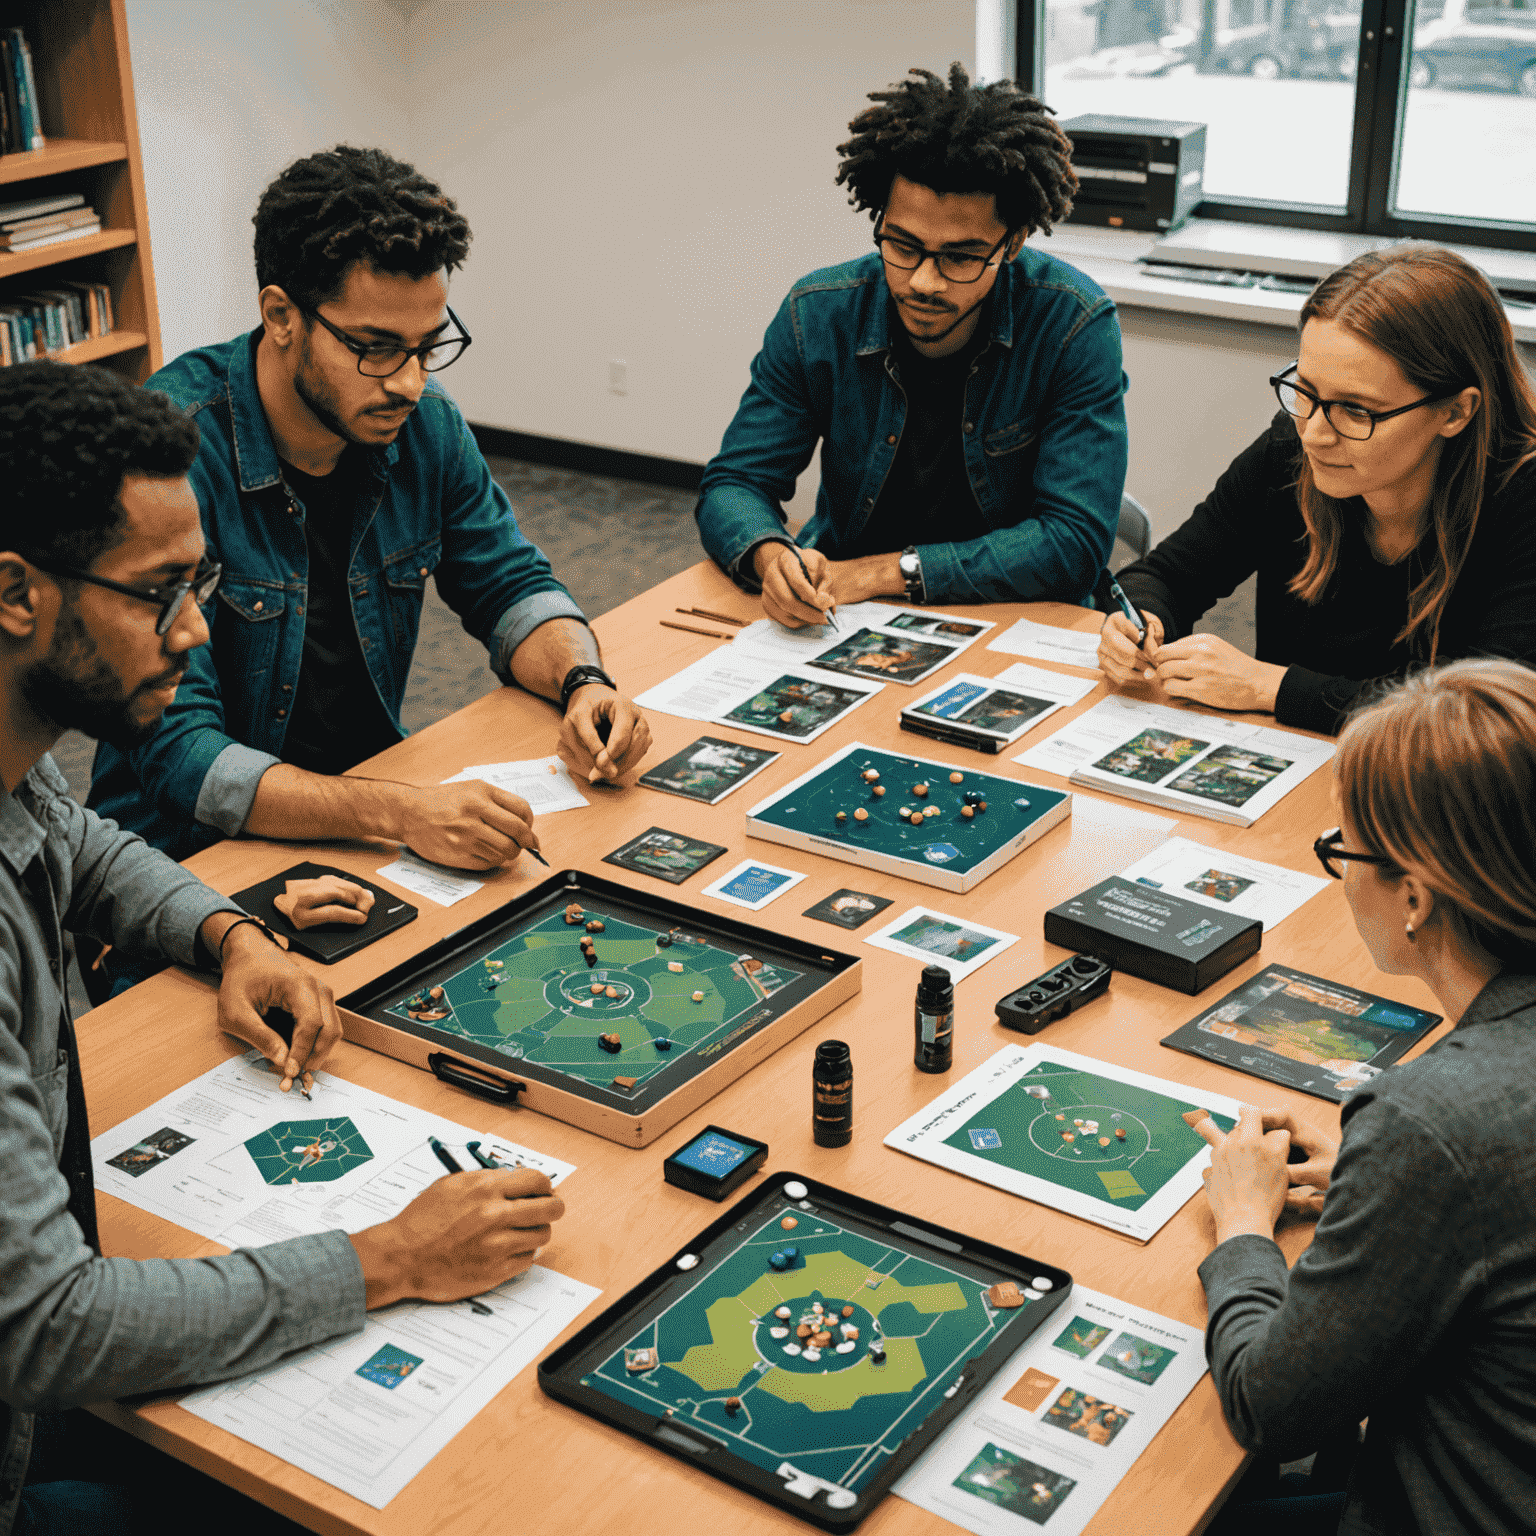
966	389
334	477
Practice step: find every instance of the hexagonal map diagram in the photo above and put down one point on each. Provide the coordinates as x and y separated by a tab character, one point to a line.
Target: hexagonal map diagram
309	1151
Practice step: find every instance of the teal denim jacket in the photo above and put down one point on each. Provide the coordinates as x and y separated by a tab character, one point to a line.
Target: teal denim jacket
1044	432
431	509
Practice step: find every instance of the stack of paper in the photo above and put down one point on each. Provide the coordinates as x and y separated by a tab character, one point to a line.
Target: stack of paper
544	782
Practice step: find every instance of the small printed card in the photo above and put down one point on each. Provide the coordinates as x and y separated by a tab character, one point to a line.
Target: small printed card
847	909
959	944
753	885
668	856
708	770
436	883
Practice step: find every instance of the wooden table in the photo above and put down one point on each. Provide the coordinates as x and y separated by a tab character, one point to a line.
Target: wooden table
528	1464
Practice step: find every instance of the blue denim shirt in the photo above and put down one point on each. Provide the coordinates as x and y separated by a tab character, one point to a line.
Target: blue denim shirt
430	509
1044	435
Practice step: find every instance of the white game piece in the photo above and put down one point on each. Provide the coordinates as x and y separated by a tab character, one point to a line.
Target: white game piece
1040	1283
841	1498
778	1333
795	1190
791	1349
847	1347
781	1312
1033	1294
812	1354
688	1261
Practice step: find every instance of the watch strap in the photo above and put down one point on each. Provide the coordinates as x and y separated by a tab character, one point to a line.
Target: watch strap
579	677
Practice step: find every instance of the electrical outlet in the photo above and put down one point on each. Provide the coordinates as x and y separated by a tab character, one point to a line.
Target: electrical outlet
618	376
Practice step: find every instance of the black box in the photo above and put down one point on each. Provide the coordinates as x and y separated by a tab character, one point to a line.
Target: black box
327	942
1146	932
715	1163
1135	172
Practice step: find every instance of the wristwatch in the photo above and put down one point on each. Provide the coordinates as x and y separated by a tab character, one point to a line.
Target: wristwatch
912	574
579	677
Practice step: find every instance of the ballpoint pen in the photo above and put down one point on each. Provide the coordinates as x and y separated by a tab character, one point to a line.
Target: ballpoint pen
483	1158
1117	592
451	1163
830	613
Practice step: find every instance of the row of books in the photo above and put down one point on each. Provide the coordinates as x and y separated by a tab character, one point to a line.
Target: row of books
21	125
35	324
45	221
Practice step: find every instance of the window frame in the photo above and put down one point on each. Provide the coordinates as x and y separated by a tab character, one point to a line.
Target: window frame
1381	94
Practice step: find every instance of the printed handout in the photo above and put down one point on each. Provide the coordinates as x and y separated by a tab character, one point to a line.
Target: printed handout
997	710
1225	880
1062	1423
544	782
1046	642
959	944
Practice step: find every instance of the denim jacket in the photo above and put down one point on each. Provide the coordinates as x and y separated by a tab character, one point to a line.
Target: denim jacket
1044	432
430	509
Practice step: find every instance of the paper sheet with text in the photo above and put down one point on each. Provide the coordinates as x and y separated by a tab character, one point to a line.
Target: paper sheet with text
233	1158
1062	1422
1217	878
1047	642
544	782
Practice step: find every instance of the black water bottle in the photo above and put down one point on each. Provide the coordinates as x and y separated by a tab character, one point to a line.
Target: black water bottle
933	1021
832	1094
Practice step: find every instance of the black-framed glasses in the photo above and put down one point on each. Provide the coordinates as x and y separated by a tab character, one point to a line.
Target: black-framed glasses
1329	847
1356	422
380	359
954	266
203	583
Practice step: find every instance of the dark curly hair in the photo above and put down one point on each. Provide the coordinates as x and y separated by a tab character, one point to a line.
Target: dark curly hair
345	205
959	137
68	435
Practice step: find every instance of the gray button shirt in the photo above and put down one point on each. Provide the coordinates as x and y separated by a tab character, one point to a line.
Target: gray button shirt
75	1328
1416	1303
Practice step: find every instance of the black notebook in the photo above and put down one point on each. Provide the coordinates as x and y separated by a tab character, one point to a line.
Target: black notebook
1302	1032
1149	933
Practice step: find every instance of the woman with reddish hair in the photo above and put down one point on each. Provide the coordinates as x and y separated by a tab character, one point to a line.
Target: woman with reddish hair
1388	509
1415	1305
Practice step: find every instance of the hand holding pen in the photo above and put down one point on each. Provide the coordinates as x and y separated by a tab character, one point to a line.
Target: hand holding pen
797	586
1129	641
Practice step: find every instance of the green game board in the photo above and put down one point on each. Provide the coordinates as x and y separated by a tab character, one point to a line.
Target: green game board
309	1151
947	848
1026	1129
531	998
836	1416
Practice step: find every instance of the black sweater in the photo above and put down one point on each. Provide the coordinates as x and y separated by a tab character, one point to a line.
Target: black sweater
1334	650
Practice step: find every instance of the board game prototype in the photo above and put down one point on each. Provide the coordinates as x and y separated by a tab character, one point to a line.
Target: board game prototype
937	823
1086	1137
615	1010
808	1346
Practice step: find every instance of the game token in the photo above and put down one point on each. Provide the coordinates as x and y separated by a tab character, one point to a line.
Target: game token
574	914
1120	1133
698	997
789	1224
1042	1283
812	1353
919	790
879	790
663	941
932	810
662	1045
733	1405
861	814
847	1311
1005	1295
1068	1136
1103	1141
787	717
795	1190
846	1347
877	1353
781	1311
778	1260
972	797
596	927
917	818
591	955
967	811
638	1360
841	816
626	1083
611	991
803	1331
611	1043
791	1349
850	1330
816	1306
871	774
778	1333
955	778
597	988
981	805
676	966
688	1261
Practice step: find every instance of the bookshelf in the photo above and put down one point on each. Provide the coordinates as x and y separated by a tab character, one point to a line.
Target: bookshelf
85	95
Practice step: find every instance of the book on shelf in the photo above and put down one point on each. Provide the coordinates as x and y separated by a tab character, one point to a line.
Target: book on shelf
38	207
23	126
37	324
14	231
53	236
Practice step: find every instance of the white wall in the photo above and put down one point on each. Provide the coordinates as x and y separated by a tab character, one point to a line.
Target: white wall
228	94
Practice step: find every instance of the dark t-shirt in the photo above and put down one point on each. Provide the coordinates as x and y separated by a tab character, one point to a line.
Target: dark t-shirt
337	718
1335	649
927	496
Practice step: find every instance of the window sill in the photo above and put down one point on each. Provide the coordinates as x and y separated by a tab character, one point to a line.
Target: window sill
1114	259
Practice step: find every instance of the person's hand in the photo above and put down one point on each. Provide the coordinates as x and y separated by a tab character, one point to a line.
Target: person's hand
327	899
787	596
467	825
259	977
467	1233
593	713
1210	670
1309	1179
1248	1179
1121	660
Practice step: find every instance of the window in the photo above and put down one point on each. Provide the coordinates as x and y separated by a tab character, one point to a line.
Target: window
1316	112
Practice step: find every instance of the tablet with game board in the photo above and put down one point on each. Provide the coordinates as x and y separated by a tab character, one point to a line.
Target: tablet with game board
606	1007
808	1346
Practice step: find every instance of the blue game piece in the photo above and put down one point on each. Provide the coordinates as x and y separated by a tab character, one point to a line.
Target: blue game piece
778	1259
662	1045
790	1253
1022	802
940	853
973	797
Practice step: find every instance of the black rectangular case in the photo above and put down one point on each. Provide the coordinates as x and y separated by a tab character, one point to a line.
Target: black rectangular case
1145	932
329	942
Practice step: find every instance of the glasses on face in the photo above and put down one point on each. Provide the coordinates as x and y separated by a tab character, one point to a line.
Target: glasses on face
1352	421
380	359
954	266
1329	847
203	583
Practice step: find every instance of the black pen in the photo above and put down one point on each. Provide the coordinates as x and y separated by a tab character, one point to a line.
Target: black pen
830	614
1117	592
450	1162
539	856
483	1158
444	1156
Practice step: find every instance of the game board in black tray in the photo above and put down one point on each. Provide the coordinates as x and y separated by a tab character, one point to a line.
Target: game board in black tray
612	1009
808	1346
943	824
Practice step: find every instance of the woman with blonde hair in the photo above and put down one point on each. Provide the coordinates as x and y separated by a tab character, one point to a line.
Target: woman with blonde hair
1415	1305
1388	509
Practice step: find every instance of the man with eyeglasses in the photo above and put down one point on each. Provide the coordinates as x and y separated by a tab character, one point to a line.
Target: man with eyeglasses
102	563
335	478
966	388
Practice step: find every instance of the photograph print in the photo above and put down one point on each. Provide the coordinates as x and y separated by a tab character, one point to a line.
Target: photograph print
932	624
1150	756
1216	884
1230	775
794	707
708	770
1020	1486
150	1152
944	940
889	659
666	855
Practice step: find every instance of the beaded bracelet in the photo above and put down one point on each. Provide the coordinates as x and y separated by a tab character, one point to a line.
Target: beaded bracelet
240	922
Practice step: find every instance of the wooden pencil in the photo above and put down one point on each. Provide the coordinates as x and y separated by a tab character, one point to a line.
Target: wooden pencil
714	634
719	618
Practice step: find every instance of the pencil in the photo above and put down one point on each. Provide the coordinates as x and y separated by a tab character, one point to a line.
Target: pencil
830	613
719	618
714	634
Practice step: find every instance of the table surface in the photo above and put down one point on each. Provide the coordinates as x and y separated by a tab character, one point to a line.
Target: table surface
559	1469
